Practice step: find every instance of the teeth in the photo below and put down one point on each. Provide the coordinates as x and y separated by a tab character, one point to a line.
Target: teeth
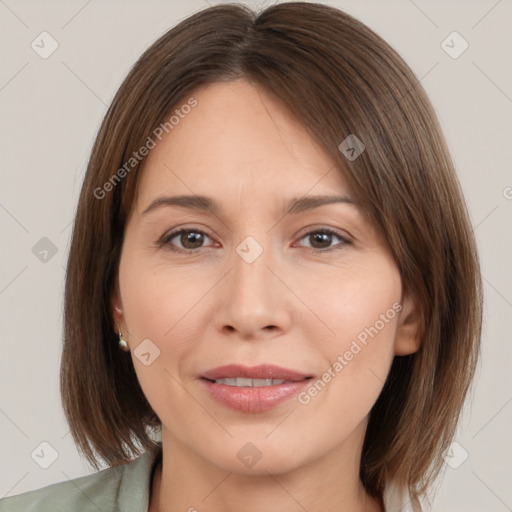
242	382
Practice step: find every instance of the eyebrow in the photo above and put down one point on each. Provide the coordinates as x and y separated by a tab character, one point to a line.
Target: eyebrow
203	203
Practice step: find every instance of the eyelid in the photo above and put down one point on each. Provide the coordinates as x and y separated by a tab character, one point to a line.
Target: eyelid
323	228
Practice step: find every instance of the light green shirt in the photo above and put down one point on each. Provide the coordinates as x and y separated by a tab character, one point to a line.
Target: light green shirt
124	488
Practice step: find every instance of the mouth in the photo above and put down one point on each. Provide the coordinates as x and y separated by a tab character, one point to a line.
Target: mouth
242	382
243	374
253	389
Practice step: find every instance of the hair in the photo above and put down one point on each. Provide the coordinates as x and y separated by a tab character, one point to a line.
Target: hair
338	78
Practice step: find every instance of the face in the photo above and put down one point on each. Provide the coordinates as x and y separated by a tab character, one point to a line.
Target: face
297	297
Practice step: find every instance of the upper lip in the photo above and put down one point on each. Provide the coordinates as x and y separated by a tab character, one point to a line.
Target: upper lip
262	371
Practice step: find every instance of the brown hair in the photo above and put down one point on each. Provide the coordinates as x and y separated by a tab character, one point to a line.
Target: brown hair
339	78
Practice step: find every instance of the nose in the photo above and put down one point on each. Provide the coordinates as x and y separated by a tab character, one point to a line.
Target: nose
254	303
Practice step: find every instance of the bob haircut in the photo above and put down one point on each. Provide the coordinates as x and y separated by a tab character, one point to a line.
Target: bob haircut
338	78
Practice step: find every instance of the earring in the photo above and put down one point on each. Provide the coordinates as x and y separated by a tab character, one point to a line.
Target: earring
123	344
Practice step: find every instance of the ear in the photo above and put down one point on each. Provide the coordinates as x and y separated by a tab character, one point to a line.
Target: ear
116	308
407	340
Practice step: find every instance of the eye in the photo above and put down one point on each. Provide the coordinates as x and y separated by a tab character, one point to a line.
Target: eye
185	240
191	240
321	240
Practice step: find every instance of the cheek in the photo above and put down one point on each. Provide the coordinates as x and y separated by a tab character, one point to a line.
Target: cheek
359	302
165	306
363	311
158	301
159	306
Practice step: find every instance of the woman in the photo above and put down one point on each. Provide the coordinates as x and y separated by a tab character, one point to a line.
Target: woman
273	291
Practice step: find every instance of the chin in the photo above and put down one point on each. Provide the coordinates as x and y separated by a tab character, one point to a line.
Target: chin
259	458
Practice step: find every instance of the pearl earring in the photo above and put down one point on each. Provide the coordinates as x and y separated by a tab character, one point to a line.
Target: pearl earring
123	344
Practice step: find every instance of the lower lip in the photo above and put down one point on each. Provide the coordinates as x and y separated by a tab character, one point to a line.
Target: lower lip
248	399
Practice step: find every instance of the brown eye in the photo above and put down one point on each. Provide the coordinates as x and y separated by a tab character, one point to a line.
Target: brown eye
324	240
185	240
320	240
191	239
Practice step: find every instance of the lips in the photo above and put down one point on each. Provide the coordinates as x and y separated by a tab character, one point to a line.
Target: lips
253	389
264	371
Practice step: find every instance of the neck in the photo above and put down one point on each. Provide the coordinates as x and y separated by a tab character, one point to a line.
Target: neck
185	482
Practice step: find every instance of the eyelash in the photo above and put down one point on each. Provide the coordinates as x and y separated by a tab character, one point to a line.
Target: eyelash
165	241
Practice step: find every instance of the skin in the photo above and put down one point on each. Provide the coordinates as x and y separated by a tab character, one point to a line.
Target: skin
292	307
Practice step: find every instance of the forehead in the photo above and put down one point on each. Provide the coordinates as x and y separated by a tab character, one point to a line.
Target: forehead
238	139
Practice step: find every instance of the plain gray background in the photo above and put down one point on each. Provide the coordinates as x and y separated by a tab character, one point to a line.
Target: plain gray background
51	109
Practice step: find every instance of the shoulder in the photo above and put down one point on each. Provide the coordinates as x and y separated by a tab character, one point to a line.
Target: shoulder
91	492
394	499
125	487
